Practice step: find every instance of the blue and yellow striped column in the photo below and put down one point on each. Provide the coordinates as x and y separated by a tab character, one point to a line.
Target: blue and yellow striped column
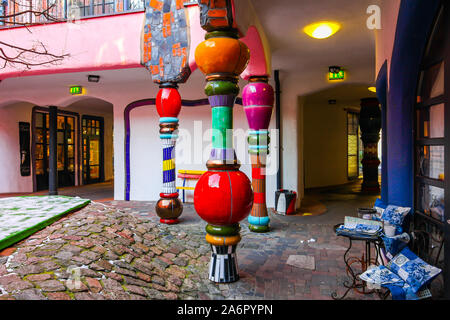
168	105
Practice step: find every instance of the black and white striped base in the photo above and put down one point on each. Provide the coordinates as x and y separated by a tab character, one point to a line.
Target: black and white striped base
223	266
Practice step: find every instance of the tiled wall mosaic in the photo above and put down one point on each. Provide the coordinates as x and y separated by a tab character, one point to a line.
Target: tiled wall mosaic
165	49
216	15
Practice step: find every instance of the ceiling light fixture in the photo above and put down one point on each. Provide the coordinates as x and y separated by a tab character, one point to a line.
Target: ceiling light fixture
322	29
93	78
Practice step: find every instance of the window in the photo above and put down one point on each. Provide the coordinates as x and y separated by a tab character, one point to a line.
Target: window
431	140
99	7
352	145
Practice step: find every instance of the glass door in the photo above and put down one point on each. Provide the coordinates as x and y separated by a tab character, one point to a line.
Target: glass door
92	149
432	144
352	145
65	150
431	140
41	150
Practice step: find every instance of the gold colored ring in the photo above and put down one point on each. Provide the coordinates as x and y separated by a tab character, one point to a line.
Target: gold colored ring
222	241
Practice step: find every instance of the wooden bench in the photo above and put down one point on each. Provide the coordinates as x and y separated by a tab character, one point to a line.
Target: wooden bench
188	175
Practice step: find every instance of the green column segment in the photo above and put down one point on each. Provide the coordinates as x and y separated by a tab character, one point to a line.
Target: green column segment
221	88
230	230
222	116
222	124
258	143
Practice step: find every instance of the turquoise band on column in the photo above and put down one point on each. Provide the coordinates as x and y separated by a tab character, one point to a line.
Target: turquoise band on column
258	147
168	119
258	132
168	136
259	221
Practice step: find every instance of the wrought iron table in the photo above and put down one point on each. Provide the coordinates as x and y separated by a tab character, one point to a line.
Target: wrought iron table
365	261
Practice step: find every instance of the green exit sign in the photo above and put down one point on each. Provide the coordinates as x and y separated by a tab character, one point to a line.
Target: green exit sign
336	75
76	90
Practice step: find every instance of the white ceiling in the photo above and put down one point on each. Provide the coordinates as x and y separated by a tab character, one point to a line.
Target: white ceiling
345	93
53	89
294	52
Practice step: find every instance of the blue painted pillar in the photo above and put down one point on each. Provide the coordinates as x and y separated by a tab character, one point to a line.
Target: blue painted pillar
413	24
382	98
400	150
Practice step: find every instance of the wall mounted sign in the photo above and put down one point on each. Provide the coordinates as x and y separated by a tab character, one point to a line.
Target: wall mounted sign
336	75
25	157
75	90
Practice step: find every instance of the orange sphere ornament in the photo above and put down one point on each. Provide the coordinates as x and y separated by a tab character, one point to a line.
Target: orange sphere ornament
222	55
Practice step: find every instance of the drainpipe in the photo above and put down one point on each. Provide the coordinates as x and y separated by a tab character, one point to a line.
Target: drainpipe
278	126
52	160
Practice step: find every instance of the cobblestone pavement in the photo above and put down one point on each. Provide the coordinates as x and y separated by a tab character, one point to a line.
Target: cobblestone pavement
119	250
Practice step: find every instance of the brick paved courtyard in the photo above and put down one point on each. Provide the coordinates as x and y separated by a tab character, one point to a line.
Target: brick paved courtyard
119	250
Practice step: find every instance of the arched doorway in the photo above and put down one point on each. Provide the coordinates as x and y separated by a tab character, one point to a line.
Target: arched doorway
84	143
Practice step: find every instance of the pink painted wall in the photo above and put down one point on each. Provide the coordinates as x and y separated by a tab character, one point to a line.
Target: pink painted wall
102	43
254	37
258	64
11	180
197	34
385	37
110	42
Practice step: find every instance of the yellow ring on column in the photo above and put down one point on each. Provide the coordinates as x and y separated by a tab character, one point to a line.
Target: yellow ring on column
223	241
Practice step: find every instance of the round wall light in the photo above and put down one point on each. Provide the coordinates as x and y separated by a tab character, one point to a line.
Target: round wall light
322	29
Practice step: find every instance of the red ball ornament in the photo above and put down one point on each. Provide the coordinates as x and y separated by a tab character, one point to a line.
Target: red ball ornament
168	102
224	197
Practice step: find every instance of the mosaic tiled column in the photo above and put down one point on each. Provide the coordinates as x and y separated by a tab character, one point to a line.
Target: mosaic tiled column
223	195
370	124
258	99
168	105
165	53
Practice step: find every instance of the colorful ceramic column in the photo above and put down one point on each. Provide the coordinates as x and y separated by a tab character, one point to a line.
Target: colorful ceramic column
165	53
370	124
223	195
168	105
258	99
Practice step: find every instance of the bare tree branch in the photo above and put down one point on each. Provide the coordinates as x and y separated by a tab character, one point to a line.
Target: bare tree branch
45	13
36	55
